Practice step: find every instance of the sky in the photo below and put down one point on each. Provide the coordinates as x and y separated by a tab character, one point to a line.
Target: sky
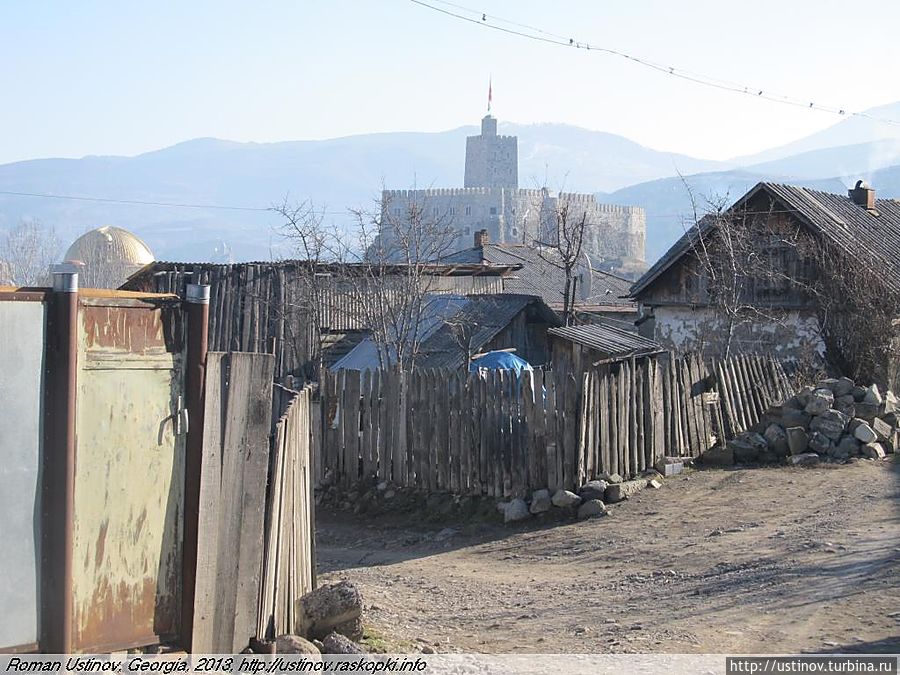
103	77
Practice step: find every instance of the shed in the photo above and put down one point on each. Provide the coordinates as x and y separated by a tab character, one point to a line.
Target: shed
577	348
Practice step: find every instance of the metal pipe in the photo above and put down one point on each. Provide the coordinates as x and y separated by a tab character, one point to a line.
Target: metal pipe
197	306
58	486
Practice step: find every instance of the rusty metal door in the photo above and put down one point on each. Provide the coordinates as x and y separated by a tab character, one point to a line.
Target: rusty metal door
129	473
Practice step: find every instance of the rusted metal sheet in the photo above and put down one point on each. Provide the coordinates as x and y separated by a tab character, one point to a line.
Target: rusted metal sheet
22	334
129	475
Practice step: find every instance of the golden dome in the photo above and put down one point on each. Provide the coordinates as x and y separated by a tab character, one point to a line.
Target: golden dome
108	255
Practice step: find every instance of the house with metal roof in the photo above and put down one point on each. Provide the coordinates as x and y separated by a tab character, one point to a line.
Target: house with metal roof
457	328
786	270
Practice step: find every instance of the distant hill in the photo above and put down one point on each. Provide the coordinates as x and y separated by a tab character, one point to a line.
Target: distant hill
336	174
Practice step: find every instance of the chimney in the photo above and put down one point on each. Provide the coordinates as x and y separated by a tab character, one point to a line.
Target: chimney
482	238
862	195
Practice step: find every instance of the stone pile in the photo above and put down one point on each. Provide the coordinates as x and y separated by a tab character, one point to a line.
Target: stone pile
837	420
590	501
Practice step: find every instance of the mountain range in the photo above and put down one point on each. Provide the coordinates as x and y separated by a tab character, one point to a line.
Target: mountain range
349	172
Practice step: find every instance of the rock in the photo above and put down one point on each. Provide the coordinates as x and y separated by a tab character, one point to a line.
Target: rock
819	442
831	423
843	387
858	392
335	643
873	395
294	644
777	439
564	499
389	494
882	429
803	396
382	486
806	459
320	611
445	534
866	411
873	451
540	501
594	489
795	418
820	400
849	445
501	507
718	456
610	477
891	403
797	440
591	508
743	451
655	484
670	466
515	511
616	492
892	418
865	433
846	405
352	629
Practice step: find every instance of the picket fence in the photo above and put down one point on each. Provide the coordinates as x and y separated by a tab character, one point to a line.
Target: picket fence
497	434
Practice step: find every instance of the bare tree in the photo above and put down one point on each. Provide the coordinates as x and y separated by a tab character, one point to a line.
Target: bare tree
26	253
396	280
562	246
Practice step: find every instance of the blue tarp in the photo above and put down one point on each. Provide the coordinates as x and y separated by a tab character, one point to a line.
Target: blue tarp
500	361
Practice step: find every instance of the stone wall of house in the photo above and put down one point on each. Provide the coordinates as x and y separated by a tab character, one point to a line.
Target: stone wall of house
792	336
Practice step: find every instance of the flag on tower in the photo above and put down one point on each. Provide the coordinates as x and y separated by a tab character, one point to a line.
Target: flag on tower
490	93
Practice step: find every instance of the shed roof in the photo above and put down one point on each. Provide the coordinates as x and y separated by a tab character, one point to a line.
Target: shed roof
835	217
607	338
487	314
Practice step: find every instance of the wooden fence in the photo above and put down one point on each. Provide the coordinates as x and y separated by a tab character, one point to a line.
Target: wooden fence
255	552
498	434
289	569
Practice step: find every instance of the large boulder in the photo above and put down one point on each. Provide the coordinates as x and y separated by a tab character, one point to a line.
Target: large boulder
515	511
865	433
820	400
797	440
849	445
327	608
867	411
720	455
795	418
873	451
294	644
846	405
564	499
882	429
831	423
819	442
873	395
591	508
335	643
776	437
595	489
616	492
540	501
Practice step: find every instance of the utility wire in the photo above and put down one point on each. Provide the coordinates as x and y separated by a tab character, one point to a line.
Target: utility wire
539	35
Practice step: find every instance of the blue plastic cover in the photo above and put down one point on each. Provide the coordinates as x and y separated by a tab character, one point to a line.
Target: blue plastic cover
500	361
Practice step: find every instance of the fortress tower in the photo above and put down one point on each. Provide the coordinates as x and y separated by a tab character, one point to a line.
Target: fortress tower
492	161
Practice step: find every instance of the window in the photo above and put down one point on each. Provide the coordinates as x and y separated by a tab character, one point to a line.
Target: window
468	210
493	210
396	212
452	210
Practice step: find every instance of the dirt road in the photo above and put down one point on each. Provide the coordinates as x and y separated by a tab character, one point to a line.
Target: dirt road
760	560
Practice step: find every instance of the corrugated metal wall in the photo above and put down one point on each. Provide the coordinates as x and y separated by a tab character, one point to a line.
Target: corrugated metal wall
22	335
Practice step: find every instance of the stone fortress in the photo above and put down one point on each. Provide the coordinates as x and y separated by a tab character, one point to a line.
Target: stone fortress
492	200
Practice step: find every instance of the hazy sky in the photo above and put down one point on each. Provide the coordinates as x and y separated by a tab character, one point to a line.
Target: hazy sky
93	77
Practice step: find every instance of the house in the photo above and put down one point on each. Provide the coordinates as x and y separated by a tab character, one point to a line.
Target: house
577	348
455	328
535	271
809	276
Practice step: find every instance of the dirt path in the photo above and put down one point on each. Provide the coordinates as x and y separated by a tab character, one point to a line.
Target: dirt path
764	560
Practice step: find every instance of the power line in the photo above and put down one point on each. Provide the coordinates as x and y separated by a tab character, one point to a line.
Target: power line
539	35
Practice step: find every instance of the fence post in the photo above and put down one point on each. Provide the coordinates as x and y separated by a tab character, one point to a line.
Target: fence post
197	307
58	494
